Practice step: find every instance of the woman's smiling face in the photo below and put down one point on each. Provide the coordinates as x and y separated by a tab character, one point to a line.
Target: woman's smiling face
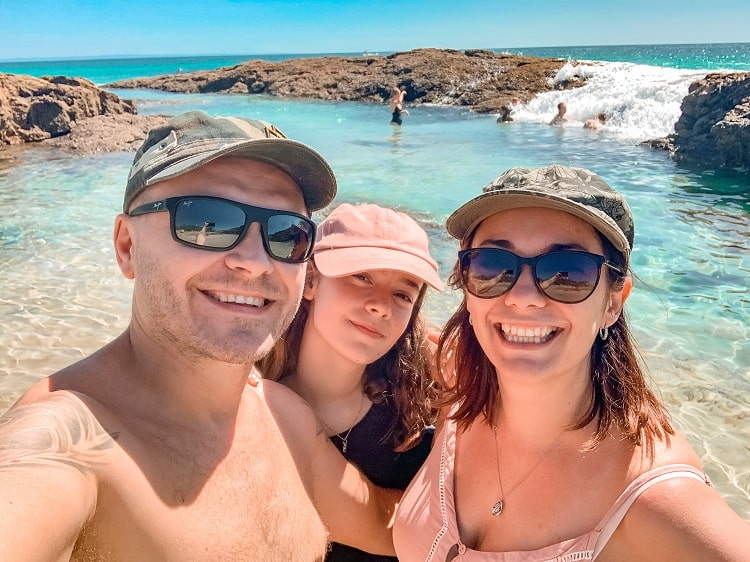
523	332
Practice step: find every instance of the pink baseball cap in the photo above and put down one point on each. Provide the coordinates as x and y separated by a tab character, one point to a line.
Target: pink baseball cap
357	238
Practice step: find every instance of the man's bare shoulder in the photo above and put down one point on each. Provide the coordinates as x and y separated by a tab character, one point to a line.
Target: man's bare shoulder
297	421
286	405
52	428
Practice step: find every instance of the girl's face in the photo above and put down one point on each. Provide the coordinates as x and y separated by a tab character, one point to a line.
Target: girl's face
361	316
525	334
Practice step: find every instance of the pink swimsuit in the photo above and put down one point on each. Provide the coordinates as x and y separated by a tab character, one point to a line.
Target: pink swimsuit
426	528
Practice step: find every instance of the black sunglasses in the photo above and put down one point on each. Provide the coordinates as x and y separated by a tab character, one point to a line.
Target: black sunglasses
213	223
568	276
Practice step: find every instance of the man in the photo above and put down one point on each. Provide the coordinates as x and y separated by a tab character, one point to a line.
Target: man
165	444
560	118
594	123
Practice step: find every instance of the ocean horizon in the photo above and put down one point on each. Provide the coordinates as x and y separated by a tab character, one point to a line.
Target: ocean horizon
63	297
110	68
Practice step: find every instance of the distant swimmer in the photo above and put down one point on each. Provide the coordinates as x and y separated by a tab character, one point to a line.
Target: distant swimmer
505	114
397	105
560	118
595	123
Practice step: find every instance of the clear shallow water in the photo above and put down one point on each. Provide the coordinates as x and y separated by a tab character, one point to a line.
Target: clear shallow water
62	295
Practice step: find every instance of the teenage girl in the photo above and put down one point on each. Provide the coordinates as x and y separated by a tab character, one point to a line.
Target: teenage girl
357	351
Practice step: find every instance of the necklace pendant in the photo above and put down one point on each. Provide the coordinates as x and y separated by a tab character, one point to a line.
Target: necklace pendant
343	447
497	508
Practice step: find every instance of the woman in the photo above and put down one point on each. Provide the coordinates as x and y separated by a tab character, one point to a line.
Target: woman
554	447
397	105
357	350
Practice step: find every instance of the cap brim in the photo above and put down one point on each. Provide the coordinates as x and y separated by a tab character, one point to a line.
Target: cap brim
466	218
338	262
308	168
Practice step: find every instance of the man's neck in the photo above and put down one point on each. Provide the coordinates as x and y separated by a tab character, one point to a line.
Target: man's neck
185	387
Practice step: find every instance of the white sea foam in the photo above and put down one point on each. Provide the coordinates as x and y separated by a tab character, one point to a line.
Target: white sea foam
641	102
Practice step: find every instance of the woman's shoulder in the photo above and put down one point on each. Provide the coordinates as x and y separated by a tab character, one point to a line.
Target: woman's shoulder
675	509
674	450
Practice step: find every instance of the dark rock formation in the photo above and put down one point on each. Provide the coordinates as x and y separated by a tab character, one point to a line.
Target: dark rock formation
35	109
479	79
714	128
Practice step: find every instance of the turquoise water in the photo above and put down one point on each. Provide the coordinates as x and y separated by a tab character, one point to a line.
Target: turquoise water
62	295
713	56
105	70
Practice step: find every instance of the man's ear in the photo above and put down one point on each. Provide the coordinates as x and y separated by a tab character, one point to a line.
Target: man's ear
123	242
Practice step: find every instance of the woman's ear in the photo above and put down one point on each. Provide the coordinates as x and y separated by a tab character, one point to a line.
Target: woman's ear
123	242
617	301
311	281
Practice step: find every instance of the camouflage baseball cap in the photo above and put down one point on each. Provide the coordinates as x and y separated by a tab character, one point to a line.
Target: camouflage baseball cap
573	190
192	139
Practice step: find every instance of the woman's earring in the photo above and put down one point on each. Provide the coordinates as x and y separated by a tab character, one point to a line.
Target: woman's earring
470	322
604	333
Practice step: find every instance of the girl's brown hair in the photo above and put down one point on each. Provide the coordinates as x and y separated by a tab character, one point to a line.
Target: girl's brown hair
403	374
621	397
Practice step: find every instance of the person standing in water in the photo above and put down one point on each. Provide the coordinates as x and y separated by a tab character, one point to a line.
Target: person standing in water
397	105
357	350
560	118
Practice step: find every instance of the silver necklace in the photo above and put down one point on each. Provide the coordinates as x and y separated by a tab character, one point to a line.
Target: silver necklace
345	439
499	505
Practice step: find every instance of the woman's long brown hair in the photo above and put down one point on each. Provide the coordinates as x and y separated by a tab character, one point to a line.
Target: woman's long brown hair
621	399
403	373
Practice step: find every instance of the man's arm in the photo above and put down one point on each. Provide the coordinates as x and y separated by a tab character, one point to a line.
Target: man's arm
49	451
355	511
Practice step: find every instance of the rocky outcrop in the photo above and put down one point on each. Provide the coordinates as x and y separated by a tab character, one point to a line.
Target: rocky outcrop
73	113
479	79
714	128
35	109
107	133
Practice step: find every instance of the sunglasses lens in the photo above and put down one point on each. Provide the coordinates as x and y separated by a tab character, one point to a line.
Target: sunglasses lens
218	224
289	237
208	223
488	274
568	277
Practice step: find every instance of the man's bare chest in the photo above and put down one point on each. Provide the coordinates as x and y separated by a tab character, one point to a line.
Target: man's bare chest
242	502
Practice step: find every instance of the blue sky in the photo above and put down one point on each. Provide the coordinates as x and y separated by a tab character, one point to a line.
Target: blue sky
91	28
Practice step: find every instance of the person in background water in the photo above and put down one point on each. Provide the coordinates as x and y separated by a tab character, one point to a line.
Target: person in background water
505	114
357	350
165	444
554	446
595	123
560	118
397	105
